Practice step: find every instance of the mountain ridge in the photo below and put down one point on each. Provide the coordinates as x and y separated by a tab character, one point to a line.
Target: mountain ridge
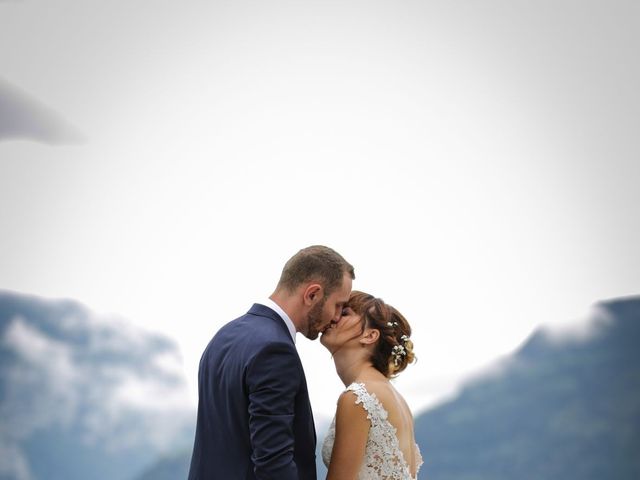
560	407
564	404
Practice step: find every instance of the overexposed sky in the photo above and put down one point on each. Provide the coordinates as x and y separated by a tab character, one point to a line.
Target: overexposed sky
477	162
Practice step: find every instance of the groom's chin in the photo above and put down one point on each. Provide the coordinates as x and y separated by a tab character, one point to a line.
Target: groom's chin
312	335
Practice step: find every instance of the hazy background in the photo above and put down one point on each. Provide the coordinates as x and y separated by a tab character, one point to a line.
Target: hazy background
478	163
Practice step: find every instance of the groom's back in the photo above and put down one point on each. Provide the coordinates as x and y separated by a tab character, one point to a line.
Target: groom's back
223	447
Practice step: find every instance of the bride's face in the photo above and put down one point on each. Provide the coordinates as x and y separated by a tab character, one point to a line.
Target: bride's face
347	329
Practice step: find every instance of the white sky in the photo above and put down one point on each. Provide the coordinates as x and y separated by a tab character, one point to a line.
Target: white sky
477	162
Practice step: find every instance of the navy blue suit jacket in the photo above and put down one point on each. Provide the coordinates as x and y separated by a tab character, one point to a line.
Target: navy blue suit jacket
254	415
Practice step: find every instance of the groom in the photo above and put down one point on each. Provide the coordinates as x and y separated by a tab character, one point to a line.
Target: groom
254	416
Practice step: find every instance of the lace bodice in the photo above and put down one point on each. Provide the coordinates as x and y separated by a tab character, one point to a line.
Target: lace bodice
383	459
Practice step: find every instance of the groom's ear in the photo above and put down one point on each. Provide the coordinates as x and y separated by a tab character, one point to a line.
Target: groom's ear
370	336
312	293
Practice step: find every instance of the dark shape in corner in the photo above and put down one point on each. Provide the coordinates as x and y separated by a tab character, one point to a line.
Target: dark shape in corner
24	117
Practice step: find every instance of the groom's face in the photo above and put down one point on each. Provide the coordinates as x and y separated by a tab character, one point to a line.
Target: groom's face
328	309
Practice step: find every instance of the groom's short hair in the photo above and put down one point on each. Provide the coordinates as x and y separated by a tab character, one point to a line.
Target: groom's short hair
316	263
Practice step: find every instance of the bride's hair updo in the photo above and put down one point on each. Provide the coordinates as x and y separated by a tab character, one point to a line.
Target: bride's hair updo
394	349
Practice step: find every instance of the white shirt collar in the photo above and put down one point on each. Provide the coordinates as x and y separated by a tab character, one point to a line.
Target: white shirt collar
287	321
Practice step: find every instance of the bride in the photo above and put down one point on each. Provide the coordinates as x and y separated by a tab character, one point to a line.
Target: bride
371	436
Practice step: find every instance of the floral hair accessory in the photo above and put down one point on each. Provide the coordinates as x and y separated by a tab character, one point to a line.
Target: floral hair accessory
397	353
404	339
392	324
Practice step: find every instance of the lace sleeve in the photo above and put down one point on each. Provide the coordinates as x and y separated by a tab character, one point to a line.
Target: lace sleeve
419	459
383	458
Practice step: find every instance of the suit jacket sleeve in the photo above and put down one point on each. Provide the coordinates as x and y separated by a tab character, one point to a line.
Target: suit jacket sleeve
273	380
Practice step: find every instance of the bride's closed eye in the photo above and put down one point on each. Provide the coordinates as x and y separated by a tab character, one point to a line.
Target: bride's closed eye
346	311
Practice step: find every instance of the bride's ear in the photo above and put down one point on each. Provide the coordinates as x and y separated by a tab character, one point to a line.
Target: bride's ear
370	336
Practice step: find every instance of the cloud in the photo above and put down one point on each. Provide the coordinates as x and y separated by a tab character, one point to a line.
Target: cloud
13	464
37	392
44	366
581	329
23	117
114	386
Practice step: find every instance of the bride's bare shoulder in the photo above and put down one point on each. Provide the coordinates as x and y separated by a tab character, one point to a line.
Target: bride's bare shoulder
388	396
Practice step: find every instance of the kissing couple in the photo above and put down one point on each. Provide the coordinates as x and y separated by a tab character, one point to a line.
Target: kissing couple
254	416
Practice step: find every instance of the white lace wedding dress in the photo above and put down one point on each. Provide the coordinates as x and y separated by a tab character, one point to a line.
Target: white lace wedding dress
383	459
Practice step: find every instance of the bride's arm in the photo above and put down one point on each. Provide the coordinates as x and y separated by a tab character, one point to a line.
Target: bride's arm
352	431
